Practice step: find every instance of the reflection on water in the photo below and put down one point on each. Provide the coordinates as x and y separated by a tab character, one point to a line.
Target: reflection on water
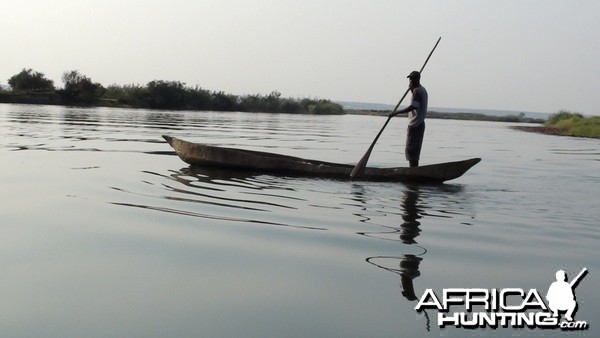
254	195
415	207
411	214
407	232
221	190
406	266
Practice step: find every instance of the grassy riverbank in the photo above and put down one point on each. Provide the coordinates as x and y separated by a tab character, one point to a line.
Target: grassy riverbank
574	124
566	123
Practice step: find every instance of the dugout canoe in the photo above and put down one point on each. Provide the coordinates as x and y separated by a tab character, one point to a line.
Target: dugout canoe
198	154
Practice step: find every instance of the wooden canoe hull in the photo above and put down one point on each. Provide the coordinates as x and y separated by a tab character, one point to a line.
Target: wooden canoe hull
197	154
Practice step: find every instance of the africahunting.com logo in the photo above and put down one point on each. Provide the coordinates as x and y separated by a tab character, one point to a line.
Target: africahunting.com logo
510	307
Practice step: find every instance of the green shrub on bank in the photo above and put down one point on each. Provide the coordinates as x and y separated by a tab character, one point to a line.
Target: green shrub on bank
325	107
29	80
562	115
575	124
80	89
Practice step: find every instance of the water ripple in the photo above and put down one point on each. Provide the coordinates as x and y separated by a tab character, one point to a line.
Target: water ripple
208	216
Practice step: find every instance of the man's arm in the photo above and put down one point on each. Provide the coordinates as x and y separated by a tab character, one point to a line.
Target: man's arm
414	104
402	111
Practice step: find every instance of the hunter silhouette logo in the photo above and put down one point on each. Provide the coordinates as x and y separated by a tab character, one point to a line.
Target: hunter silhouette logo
508	307
560	295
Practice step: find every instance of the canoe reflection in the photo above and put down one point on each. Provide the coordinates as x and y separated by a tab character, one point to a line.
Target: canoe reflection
214	174
224	195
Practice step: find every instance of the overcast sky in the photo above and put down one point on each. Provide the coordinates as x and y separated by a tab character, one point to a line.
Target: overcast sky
521	55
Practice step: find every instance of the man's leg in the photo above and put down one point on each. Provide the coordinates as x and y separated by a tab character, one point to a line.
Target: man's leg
414	141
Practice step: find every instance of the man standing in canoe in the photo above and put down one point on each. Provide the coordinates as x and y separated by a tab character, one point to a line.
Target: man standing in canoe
416	119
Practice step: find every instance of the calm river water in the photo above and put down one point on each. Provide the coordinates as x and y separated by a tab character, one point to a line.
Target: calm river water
104	232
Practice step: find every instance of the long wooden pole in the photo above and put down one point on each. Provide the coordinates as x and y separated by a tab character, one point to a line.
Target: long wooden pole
359	169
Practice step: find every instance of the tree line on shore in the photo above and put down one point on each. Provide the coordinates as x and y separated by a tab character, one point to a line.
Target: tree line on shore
30	86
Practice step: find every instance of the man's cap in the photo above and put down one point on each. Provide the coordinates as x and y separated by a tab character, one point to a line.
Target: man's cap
414	75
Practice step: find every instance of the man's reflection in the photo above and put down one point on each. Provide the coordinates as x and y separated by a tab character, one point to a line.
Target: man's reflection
409	270
407	266
409	229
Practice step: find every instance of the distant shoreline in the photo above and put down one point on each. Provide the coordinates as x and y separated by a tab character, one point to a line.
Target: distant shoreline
56	101
53	100
457	116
